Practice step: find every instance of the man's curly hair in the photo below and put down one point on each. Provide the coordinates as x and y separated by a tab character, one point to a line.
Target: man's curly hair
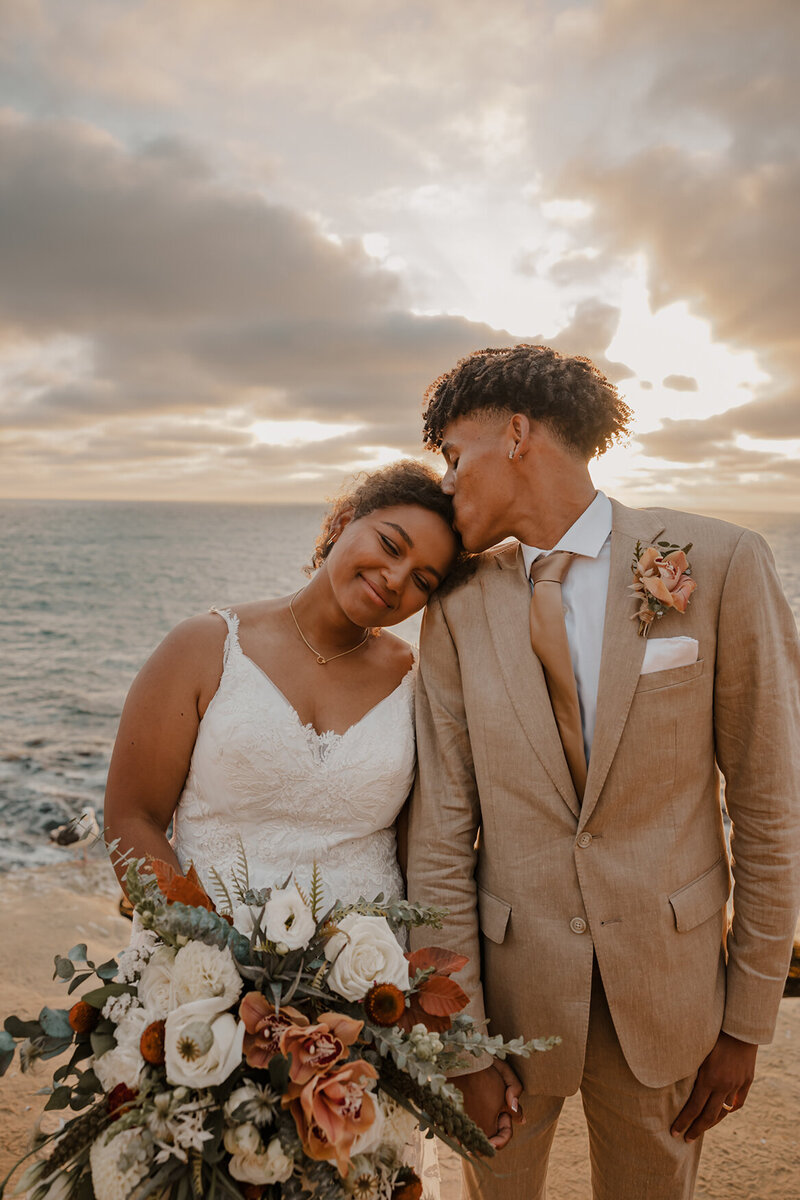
569	395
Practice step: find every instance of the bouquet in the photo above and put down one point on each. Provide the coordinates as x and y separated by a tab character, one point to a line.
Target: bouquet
269	1049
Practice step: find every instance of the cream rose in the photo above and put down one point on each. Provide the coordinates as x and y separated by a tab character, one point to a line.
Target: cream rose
288	919
123	1063
202	1045
156	981
365	951
266	1165
200	972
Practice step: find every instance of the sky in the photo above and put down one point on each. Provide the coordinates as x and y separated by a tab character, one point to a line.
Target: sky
238	238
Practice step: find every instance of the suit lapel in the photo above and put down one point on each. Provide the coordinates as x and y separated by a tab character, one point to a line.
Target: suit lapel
623	649
507	598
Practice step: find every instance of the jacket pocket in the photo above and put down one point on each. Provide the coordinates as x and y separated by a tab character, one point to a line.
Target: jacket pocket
493	914
695	902
670	677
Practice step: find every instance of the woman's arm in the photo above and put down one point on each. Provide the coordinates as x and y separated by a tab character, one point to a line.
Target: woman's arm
156	737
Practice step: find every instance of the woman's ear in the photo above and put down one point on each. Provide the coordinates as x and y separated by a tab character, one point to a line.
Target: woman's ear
340	522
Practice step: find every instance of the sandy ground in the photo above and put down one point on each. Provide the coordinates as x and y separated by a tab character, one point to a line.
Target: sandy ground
753	1155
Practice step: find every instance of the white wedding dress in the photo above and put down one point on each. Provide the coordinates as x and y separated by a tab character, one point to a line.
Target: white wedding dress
262	784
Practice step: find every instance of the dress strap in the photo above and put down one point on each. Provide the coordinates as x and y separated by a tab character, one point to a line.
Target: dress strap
231	619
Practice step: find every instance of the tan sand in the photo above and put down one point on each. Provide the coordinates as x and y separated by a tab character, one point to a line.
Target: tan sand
752	1155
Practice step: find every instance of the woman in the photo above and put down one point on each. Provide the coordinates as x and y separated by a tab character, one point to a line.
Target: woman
281	731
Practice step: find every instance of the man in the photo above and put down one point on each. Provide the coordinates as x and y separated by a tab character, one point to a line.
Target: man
593	902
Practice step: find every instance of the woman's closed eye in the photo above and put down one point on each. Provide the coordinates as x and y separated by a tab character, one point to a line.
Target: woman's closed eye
389	545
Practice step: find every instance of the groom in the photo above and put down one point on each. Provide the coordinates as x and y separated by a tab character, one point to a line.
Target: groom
567	807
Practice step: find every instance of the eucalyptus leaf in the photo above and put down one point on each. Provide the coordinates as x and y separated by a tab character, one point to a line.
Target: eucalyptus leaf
55	1022
22	1029
88	1082
107	970
78	953
63	968
56	1046
7	1047
98	997
77	980
101	1042
59	1099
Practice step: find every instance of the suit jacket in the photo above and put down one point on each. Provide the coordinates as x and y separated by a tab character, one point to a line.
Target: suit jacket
639	873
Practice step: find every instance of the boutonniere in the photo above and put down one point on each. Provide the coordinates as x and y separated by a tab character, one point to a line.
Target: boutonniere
662	580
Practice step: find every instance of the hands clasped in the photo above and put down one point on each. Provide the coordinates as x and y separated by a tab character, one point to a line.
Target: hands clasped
491	1098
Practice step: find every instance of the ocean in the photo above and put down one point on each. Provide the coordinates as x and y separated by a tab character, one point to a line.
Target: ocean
88	589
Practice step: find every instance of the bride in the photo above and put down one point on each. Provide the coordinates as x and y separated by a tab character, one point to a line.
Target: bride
284	728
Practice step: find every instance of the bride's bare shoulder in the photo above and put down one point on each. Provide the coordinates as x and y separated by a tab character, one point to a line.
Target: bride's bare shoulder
397	654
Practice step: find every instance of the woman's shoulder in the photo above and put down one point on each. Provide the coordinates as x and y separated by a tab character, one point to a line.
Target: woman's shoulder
398	654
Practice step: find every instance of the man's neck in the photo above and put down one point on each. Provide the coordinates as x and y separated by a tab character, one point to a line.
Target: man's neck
547	517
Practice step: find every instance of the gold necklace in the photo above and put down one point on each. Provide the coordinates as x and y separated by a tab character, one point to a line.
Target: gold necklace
319	657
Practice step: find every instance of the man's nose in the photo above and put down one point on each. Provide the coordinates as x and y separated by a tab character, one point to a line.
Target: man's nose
449	482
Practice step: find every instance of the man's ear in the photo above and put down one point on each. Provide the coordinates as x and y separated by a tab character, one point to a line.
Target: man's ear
519	430
340	521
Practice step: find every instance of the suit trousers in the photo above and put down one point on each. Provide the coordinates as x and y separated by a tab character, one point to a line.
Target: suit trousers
632	1152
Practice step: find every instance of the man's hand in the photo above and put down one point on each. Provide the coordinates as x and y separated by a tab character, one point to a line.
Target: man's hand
491	1098
722	1084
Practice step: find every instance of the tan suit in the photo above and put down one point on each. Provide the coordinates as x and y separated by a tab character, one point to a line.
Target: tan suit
638	875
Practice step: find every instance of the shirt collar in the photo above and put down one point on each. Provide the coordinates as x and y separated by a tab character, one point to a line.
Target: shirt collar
586	537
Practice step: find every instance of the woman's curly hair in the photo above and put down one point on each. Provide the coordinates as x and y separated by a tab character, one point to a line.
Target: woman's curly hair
403	482
568	395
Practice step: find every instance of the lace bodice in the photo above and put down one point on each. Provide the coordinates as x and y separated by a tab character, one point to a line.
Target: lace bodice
261	780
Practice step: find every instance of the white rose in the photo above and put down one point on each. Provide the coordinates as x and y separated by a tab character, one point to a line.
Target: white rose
200	972
364	952
202	1046
242	1139
270	1165
155	982
108	1181
123	1063
288	919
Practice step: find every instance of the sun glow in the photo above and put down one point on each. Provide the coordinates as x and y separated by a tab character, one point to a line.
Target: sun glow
298	433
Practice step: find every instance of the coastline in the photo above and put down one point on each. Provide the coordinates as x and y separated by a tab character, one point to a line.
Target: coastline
46	910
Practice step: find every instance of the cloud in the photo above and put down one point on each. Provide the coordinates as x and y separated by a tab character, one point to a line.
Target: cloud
680	383
159	291
703	179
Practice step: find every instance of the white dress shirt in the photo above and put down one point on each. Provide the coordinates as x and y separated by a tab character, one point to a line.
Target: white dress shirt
584	593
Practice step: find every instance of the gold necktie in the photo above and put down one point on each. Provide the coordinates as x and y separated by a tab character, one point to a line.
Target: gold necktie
550	645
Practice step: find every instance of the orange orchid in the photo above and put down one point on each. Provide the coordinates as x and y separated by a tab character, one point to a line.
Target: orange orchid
315	1048
265	1027
438	997
331	1110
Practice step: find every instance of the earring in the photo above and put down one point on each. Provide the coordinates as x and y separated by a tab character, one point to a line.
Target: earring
511	452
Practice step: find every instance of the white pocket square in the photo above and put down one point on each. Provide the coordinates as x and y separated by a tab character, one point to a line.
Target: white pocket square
661	654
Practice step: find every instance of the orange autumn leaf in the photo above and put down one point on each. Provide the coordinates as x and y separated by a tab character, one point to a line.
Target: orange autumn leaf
181	889
415	1014
441	997
444	962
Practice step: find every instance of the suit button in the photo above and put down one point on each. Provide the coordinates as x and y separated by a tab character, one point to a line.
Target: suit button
585	840
578	925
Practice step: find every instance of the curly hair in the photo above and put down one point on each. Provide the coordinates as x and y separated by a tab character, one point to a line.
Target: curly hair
569	395
403	482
